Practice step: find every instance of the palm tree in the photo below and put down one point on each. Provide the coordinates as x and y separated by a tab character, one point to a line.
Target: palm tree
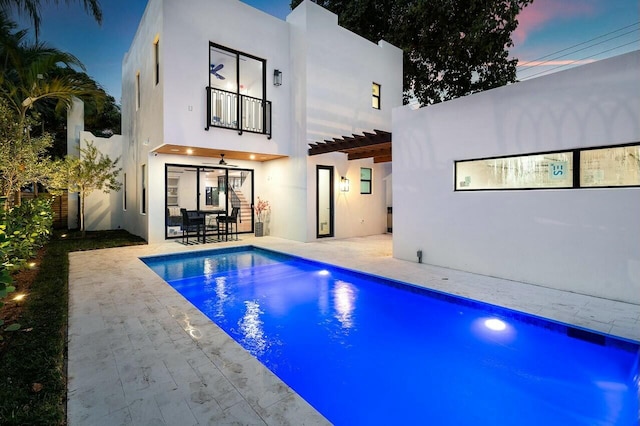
30	75
30	72
32	8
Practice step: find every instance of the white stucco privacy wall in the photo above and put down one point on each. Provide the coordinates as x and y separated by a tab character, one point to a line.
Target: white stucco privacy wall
103	211
75	127
580	240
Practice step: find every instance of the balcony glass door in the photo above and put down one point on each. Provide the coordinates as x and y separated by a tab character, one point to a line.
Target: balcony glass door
223	79
237	91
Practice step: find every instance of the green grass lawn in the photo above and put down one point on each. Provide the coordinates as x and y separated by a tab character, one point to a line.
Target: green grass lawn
32	364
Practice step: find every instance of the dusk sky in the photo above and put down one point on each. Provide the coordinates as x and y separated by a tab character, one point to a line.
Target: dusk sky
588	29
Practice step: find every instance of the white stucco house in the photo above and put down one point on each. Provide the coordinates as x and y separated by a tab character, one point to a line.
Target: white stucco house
537	181
220	79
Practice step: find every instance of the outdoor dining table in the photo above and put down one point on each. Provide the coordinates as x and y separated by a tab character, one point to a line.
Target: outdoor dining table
206	213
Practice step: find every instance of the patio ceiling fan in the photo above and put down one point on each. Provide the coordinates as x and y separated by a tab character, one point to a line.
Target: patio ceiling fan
224	163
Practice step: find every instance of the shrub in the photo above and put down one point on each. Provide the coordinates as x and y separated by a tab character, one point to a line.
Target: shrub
23	230
26	228
5	286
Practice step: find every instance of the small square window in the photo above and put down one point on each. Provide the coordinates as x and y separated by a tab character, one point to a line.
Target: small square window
375	96
365	180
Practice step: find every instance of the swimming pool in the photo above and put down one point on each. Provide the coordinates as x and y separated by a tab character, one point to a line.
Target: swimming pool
367	350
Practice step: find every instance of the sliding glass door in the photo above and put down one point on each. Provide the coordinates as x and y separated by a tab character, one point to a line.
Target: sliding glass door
207	189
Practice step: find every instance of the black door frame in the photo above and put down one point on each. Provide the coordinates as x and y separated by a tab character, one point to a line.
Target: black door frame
198	170
331	202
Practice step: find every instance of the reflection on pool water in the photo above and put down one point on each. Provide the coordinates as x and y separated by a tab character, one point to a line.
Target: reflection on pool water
367	350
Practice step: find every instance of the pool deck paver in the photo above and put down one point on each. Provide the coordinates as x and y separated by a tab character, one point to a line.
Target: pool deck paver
140	354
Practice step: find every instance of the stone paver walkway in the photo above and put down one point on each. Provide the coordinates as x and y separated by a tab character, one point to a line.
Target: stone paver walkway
140	354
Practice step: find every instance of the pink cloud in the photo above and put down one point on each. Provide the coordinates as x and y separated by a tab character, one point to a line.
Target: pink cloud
540	12
555	62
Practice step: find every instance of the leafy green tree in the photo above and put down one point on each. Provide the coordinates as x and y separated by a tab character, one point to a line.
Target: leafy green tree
103	120
30	76
90	172
22	160
102	116
451	47
32	9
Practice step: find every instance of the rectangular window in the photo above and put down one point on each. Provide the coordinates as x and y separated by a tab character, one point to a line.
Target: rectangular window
143	189
124	192
156	60
615	166
553	170
375	96
237	90
365	180
138	90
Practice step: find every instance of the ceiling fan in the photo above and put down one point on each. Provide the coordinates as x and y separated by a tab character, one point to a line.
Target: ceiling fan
224	163
215	69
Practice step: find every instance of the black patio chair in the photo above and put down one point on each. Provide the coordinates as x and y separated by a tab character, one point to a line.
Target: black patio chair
229	221
191	221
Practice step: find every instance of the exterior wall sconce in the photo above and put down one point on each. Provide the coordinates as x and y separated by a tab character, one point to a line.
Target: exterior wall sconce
277	78
344	184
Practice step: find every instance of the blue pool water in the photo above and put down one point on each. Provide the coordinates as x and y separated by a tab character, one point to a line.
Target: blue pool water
366	350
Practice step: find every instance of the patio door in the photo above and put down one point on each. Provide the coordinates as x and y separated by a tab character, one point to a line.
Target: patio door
207	189
324	201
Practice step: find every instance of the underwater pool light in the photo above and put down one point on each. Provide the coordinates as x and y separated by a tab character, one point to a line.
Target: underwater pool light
495	324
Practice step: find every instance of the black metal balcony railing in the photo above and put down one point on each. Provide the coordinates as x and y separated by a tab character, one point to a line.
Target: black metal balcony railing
223	110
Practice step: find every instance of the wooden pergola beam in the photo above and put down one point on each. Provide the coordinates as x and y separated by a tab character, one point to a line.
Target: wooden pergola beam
350	142
369	153
382	159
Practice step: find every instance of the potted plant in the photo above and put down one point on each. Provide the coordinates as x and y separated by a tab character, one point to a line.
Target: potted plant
261	208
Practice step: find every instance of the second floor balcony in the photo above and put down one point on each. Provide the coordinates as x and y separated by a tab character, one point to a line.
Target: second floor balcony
224	108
